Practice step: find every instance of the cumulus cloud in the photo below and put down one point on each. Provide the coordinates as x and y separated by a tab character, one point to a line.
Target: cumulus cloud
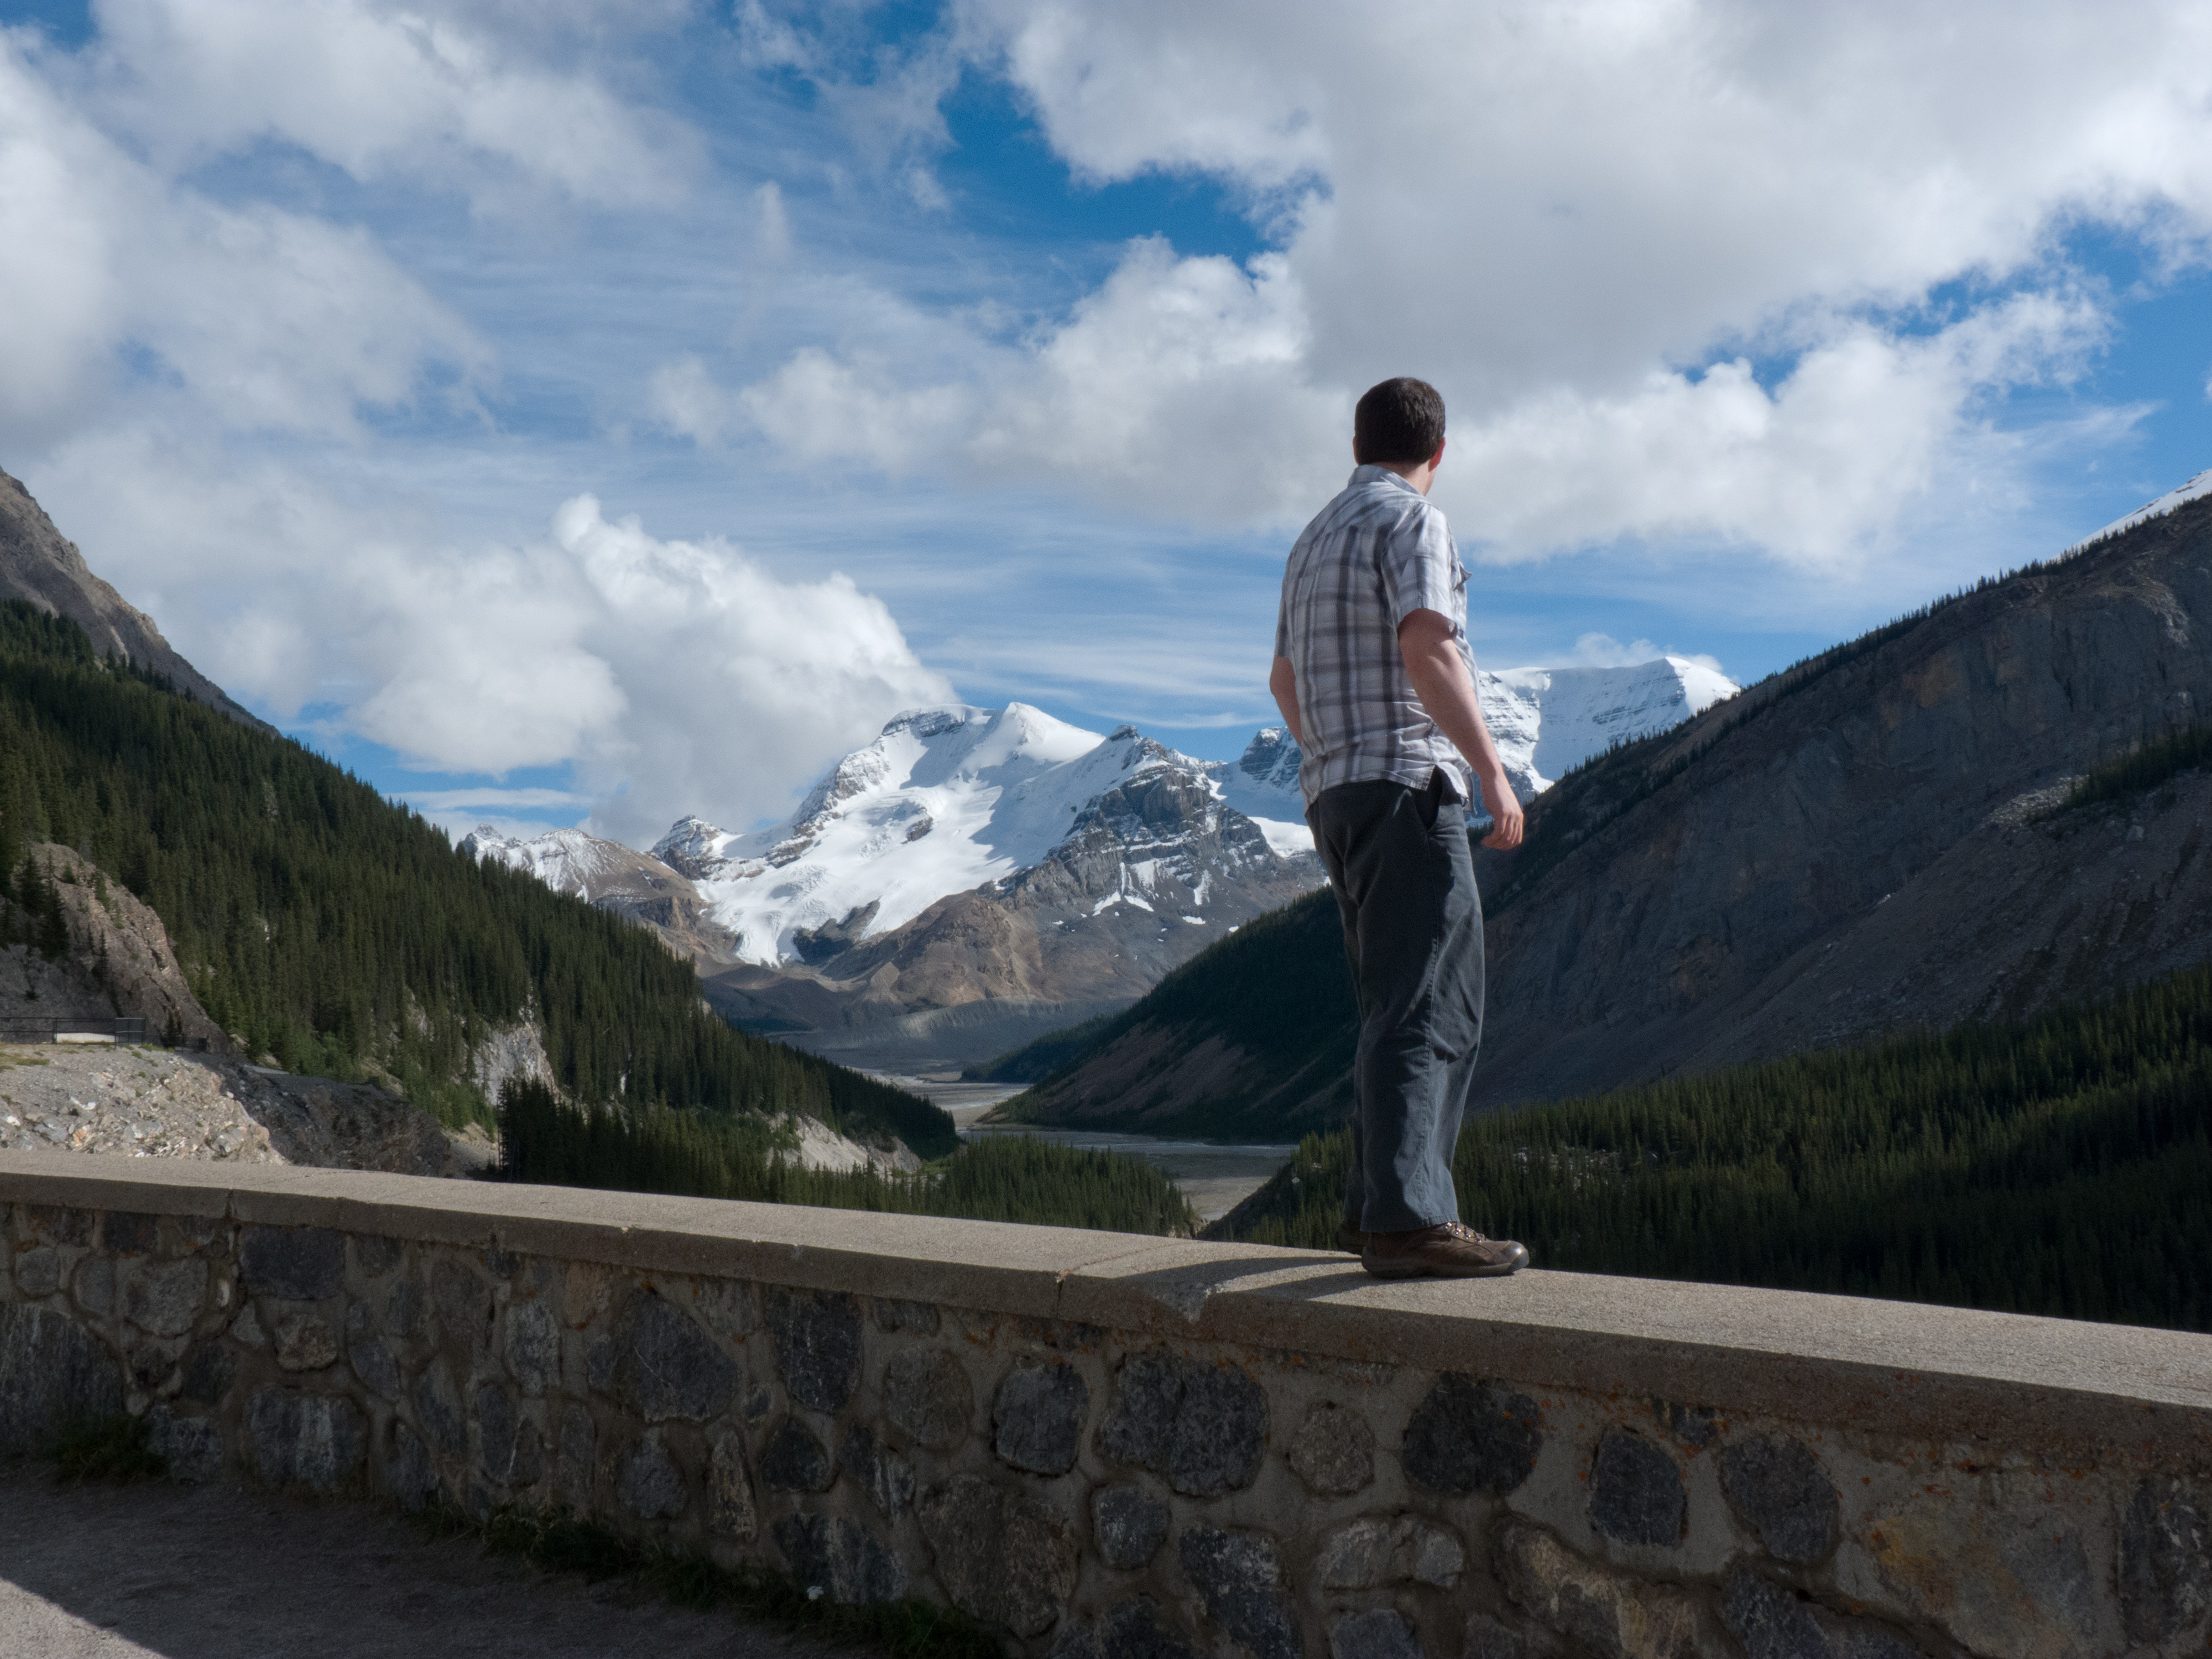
1712	271
672	675
377	90
113	278
736	681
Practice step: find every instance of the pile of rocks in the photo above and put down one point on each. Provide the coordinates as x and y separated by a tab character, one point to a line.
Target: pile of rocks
156	1102
148	1102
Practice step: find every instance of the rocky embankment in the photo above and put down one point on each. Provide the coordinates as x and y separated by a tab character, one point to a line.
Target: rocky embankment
145	1103
202	1100
156	1102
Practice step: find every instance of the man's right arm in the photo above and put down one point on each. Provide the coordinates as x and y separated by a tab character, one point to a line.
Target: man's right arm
1283	681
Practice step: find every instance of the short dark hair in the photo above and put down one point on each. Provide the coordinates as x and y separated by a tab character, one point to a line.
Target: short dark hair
1397	422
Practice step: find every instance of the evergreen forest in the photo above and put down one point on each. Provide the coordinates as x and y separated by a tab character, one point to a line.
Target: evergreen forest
1000	1177
2059	1166
344	935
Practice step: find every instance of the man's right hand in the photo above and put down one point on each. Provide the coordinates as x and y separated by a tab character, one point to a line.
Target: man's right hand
1504	809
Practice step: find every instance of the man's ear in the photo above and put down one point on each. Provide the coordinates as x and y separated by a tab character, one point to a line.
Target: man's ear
1437	459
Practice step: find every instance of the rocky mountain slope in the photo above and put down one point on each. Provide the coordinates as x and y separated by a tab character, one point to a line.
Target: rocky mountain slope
1853	847
615	878
40	565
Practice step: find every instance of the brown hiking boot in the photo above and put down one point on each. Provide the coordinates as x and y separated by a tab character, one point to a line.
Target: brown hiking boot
1350	1239
1452	1250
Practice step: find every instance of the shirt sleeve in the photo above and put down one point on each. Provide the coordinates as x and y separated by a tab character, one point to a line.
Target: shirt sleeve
1419	569
1283	619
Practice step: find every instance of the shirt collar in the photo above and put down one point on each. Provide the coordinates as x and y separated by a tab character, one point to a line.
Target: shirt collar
1367	473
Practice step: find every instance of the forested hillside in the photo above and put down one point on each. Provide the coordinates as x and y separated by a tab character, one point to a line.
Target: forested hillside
2056	1166
995	1178
343	934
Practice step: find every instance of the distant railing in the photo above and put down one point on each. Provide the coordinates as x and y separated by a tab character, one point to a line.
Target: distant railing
32	1028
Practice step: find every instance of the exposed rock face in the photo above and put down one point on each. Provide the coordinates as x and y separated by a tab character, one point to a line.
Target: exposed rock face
1845	849
37	563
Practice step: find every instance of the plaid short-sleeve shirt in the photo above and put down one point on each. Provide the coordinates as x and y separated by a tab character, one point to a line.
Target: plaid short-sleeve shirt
1375	554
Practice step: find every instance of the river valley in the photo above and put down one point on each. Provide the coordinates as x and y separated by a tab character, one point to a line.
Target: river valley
1216	1178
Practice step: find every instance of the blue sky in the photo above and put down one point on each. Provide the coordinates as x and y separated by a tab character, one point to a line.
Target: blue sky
596	412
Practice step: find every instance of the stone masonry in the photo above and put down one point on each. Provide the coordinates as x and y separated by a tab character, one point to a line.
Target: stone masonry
1108	1446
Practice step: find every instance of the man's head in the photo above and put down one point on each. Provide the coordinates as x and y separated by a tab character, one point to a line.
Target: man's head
1400	423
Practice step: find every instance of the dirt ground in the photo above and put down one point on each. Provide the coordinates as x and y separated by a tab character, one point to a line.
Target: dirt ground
230	1571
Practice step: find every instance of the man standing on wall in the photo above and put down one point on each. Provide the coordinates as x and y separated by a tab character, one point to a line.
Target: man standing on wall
1373	674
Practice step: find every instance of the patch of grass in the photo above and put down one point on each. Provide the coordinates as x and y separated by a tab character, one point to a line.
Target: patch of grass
560	1542
109	1448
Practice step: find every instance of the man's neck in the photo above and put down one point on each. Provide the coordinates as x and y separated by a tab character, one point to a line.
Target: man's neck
1420	474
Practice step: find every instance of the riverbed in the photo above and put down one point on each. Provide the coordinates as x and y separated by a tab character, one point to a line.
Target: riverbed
1214	1177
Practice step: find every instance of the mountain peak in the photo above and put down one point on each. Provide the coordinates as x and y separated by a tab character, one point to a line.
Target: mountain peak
37	563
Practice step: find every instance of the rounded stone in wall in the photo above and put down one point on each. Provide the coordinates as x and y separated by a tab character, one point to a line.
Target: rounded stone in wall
1777	1488
1239	1577
1129	1524
2165	1560
1000	1559
648	1483
52	1370
1333	1451
294	1264
1373	1633
1202	1425
1037	1416
1636	1494
818	1345
663	1366
1131	1630
794	1460
1468	1436
164	1298
312	1440
925	1392
408	1472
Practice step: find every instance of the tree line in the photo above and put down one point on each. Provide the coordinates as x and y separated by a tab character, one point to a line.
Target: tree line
2056	1166
1000	1177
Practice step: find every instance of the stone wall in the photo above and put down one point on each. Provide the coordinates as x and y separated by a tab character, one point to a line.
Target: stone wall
1119	1447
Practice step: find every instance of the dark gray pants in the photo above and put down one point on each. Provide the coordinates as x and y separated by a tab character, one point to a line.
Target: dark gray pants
1398	861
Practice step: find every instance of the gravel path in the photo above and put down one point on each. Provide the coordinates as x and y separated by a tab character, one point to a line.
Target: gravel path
229	1572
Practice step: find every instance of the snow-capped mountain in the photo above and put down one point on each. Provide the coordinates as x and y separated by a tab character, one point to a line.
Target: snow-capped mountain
566	860
613	877
974	877
1546	721
949	800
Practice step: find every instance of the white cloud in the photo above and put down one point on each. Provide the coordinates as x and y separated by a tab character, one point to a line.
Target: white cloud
377	90
1603	651
1587	223
674	676
258	318
738	681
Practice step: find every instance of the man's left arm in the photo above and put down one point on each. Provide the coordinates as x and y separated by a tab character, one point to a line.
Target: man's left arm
1283	682
1430	645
